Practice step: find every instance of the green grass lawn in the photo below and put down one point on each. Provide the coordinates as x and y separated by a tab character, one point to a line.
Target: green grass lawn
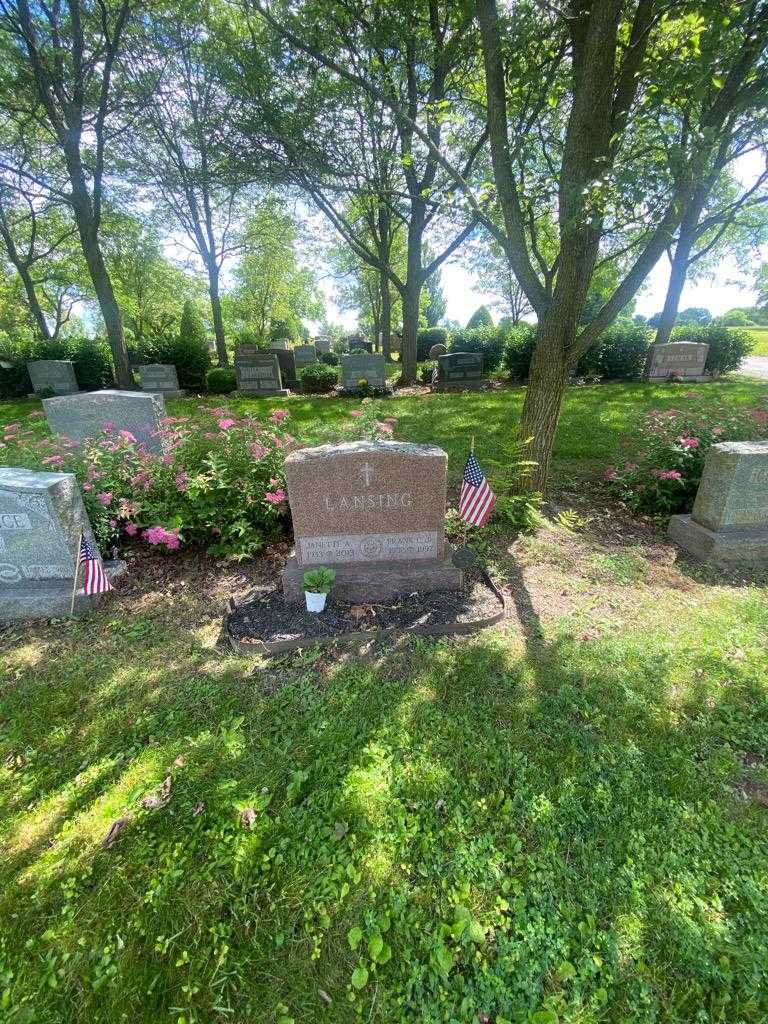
760	339
558	821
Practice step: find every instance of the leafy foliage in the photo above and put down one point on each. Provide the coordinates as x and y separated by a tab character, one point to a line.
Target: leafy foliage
619	353
320	580
220	380
426	338
318	377
488	340
480	318
727	348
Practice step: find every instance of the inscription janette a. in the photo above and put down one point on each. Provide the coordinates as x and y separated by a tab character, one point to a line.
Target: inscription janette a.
15	521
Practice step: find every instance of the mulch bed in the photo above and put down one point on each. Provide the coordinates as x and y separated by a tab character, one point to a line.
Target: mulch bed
266	624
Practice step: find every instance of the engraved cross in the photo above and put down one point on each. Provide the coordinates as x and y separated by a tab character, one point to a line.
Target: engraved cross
366	472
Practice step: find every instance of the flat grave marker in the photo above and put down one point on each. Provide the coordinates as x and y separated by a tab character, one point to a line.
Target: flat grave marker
258	372
85	415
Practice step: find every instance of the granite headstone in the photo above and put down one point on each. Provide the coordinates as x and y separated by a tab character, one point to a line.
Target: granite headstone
304	355
287	361
729	521
460	371
87	414
323	345
363	366
683	359
374	511
161	377
258	372
56	375
41	519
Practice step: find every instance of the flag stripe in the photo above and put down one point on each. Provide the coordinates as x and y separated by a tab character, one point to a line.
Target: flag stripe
476	499
96	580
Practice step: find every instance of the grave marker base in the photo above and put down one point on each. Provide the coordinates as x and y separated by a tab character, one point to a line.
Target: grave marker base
728	545
378	581
52	599
459	385
280	393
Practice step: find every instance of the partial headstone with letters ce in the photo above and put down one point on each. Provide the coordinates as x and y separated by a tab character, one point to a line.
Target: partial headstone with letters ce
41	519
373	511
87	415
729	521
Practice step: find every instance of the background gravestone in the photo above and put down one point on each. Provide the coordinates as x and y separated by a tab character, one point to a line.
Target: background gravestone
363	366
323	345
729	522
375	512
84	415
56	375
684	359
279	344
305	355
361	346
287	361
41	516
460	371
258	372
161	377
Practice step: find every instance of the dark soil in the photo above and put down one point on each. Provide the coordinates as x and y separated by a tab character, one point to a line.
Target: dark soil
267	617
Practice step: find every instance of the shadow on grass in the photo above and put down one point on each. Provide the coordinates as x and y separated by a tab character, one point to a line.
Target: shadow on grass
573	797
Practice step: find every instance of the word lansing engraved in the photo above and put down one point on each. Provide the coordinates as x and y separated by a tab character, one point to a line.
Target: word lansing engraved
368	502
362	547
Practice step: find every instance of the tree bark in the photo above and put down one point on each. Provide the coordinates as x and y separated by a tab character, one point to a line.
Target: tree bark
547	382
218	320
386	317
411	295
678	273
110	311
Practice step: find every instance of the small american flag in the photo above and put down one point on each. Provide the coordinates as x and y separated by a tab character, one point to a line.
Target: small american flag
476	500
96	581
435	376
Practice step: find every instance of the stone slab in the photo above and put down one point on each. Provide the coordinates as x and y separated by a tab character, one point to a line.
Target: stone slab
305	355
258	372
734	486
57	375
86	414
465	385
459	367
684	359
287	361
377	581
161	377
363	365
734	545
41	518
323	345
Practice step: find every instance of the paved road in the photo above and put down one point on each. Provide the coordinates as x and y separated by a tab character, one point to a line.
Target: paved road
755	366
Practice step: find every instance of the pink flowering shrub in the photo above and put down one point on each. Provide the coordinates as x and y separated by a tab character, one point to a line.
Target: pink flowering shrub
667	456
219	481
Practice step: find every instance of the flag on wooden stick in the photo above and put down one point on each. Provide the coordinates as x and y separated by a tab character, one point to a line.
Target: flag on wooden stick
476	500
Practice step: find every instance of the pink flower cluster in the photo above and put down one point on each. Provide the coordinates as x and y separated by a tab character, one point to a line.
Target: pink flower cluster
667	474
159	535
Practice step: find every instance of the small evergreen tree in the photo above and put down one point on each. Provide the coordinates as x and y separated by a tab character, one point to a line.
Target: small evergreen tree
480	318
189	351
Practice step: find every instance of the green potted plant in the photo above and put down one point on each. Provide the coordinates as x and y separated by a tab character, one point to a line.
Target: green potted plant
317	587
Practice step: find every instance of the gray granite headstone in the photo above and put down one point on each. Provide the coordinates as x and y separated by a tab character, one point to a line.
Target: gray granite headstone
323	345
359	345
41	517
281	344
684	359
258	372
56	375
88	414
459	371
729	521
304	355
161	377
363	366
287	361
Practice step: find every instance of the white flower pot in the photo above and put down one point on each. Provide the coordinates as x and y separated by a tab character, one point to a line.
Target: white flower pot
315	602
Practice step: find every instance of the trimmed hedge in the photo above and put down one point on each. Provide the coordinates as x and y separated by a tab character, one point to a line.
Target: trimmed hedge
618	354
329	358
91	357
727	347
221	380
318	378
426	338
490	341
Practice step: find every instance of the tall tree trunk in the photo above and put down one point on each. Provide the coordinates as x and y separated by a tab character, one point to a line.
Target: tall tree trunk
679	270
386	317
218	320
547	382
411	296
26	279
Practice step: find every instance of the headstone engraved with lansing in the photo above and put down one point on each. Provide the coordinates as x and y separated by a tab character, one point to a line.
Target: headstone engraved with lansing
85	415
56	375
160	377
41	518
287	362
729	521
373	511
459	371
363	366
684	359
304	355
258	372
